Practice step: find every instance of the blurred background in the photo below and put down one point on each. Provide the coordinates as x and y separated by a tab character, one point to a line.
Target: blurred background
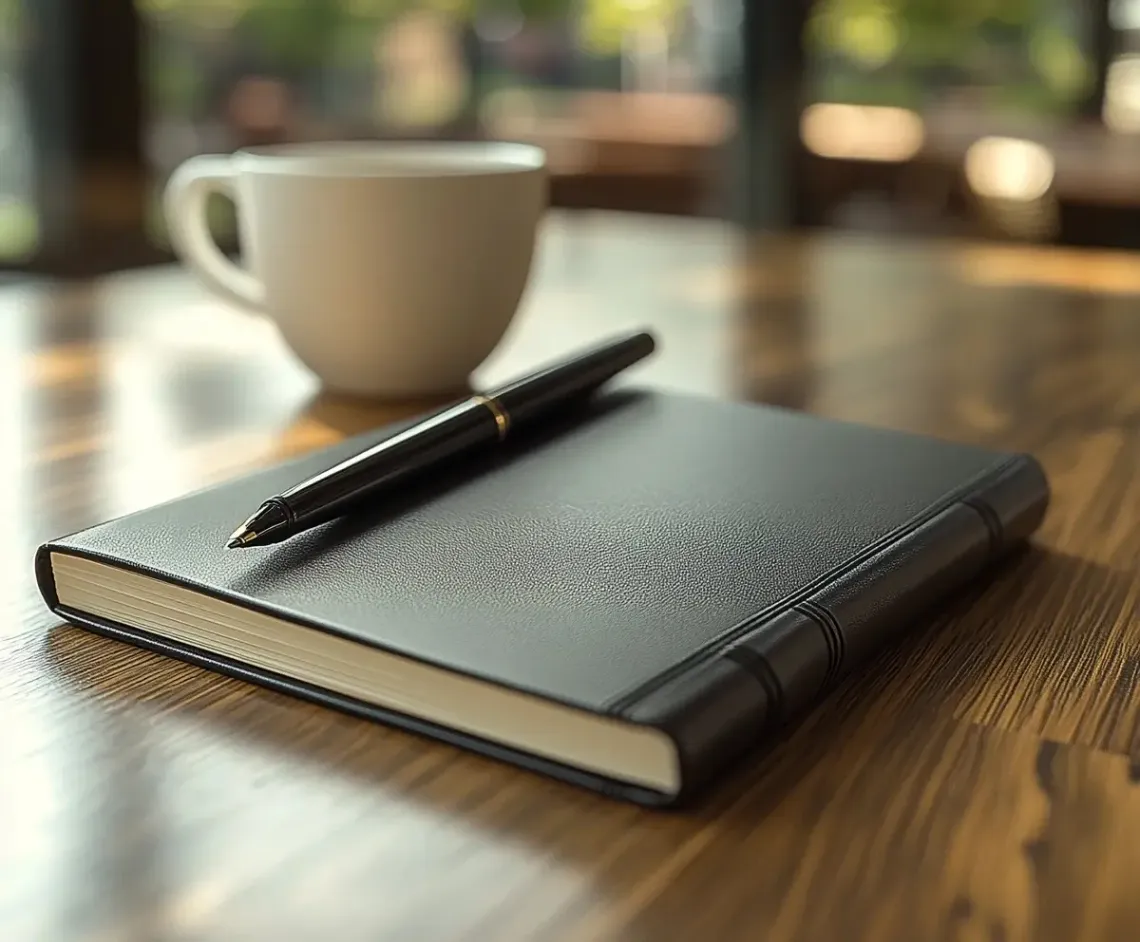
1000	119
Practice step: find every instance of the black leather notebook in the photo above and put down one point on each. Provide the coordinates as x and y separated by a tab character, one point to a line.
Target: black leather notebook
629	601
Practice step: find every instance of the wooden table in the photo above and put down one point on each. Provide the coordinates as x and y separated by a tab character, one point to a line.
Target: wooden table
980	782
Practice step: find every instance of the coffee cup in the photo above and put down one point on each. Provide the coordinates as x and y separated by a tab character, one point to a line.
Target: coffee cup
391	269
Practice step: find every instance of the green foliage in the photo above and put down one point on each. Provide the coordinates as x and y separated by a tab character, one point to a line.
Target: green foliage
297	32
605	23
11	25
290	19
1019	51
19	229
881	50
301	33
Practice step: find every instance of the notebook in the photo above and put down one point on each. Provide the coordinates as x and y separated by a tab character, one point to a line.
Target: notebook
630	599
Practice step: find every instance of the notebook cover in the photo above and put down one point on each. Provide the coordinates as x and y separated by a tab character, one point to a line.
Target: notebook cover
709	568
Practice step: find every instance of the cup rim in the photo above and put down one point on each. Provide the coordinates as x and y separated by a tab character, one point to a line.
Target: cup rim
380	159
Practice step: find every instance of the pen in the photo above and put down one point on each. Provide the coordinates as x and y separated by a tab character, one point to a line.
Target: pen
472	423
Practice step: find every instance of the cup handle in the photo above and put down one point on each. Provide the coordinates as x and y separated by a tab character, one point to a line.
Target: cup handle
184	203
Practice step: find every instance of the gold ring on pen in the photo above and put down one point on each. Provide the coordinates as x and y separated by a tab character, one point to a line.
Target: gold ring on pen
502	417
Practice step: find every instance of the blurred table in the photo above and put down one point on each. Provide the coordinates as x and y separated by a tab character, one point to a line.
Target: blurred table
1092	163
979	782
660	152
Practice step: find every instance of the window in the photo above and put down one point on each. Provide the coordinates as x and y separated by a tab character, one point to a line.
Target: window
619	92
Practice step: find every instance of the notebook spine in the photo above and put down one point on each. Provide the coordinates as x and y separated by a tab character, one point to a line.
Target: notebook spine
723	705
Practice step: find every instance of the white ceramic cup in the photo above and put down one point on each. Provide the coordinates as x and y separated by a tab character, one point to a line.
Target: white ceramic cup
390	269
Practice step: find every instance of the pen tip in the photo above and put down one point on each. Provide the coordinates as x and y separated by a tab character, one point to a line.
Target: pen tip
240	537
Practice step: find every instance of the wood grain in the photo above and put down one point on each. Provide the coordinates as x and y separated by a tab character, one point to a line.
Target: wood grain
978	782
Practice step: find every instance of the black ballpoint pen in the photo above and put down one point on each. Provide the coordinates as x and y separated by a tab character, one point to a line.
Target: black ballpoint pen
472	423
